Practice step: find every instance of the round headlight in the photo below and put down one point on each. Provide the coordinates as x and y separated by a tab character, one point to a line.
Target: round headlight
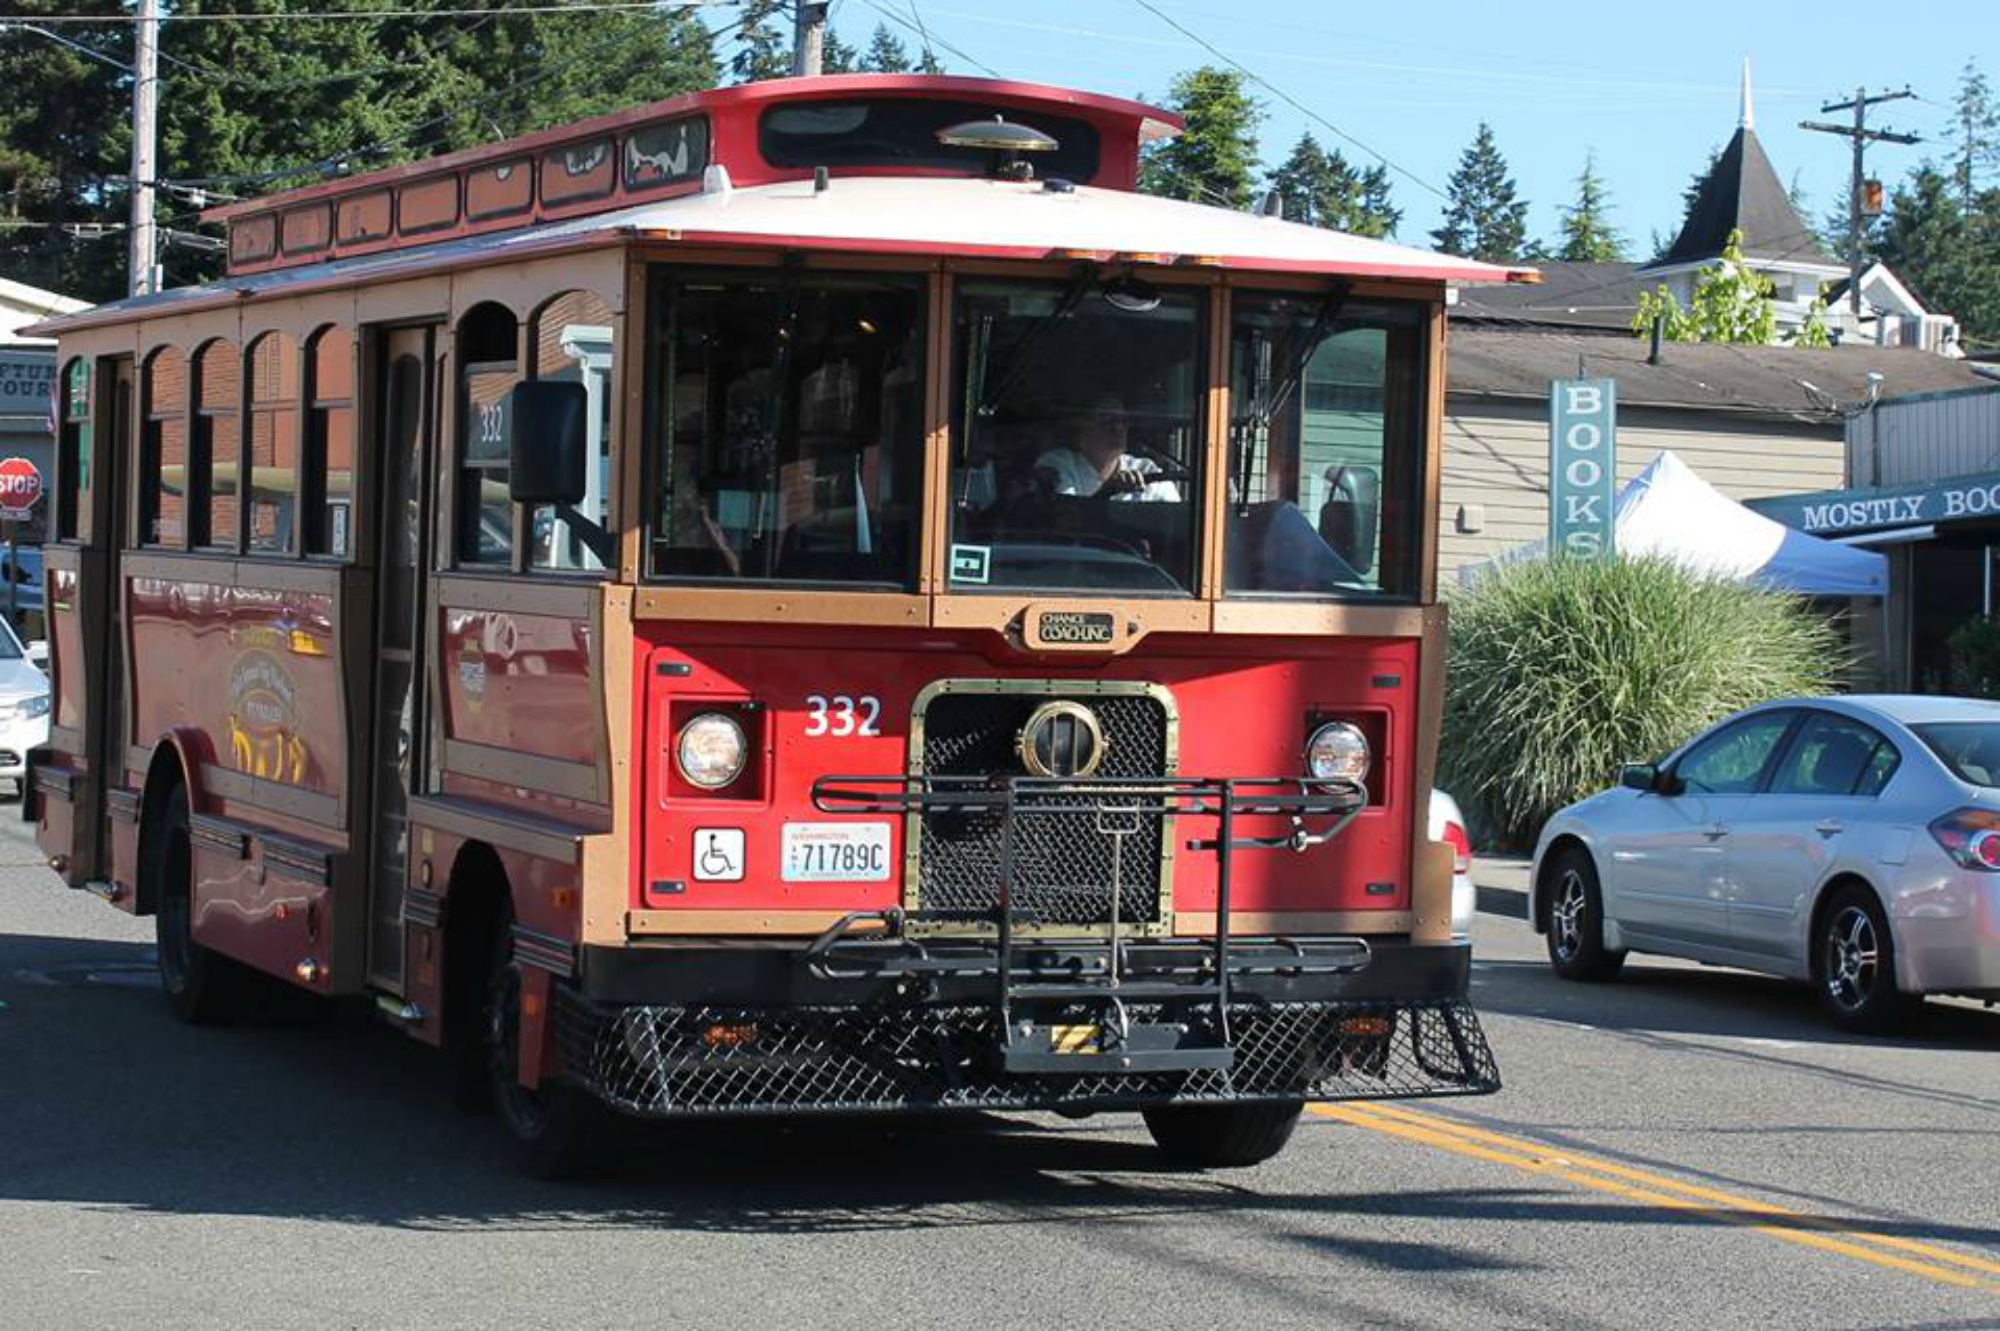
1337	752
711	751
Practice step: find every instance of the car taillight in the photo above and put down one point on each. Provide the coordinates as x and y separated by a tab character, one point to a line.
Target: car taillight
1461	846
1971	837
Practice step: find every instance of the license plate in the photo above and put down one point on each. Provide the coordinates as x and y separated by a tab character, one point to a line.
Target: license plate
836	853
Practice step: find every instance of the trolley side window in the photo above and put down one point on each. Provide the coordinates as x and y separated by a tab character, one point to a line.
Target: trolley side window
218	447
1076	434
163	452
274	443
1325	447
73	466
788	426
327	495
488	356
572	342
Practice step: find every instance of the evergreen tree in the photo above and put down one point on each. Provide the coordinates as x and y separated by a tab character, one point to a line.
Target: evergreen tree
837	57
1587	234
1975	135
886	54
1214	158
1321	189
1949	257
1690	196
928	62
1484	220
763	48
57	163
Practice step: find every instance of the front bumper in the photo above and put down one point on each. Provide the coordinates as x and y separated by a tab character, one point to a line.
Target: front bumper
673	1032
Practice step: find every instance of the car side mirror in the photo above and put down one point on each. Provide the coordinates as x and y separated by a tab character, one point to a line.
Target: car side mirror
545	442
1649	778
38	654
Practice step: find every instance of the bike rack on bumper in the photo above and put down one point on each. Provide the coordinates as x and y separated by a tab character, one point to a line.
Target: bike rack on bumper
884	1013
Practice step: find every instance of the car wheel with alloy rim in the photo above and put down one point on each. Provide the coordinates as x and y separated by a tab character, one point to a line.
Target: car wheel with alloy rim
1575	919
1854	963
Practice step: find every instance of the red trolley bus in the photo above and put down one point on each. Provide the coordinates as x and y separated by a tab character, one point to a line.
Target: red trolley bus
810	597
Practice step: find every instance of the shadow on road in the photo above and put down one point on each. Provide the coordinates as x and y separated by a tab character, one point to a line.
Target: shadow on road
1693	1000
113	1105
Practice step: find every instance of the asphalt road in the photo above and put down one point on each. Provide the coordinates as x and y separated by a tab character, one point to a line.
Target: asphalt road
1689	1148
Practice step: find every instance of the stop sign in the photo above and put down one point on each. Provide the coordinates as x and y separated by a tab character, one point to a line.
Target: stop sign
20	486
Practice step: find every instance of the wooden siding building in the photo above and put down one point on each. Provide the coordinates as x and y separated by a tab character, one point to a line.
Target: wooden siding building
1752	421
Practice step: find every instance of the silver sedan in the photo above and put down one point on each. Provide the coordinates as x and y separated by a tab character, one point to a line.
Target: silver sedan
1850	842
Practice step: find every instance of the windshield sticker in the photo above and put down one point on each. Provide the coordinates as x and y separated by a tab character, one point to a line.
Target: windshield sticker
971	563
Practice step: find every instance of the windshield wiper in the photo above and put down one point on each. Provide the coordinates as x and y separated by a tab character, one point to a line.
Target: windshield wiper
1262	412
998	384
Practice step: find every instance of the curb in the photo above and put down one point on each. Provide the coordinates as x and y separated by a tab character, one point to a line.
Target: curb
1507	901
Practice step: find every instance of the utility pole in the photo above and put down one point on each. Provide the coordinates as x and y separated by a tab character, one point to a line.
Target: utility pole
808	37
1860	136
145	116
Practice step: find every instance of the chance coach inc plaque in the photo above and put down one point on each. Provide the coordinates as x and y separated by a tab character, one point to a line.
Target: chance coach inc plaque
1583	464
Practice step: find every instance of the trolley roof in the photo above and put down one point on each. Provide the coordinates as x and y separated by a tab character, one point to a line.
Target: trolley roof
739	198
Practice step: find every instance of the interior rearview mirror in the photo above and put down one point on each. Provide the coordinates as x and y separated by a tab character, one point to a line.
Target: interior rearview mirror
546	436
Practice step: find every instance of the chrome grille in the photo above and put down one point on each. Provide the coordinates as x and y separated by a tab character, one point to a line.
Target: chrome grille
1062	862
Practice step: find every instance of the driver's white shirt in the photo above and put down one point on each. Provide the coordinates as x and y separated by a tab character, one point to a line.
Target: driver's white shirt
1074	475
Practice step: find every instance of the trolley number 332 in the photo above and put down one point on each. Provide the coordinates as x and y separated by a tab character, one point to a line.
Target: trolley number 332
841	716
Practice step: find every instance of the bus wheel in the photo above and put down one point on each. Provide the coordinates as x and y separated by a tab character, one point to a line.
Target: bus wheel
554	1131
1223	1136
202	987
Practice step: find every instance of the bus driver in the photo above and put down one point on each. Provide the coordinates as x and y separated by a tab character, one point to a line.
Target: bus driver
1095	462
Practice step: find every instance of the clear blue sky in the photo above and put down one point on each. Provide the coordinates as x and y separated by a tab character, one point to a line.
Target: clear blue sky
1648	89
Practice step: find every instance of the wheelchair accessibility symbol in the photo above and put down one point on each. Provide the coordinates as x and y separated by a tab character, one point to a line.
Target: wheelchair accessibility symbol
718	854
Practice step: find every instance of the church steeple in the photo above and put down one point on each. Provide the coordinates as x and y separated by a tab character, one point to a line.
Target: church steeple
1743	193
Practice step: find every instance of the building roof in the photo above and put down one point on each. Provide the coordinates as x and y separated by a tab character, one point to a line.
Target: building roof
1743	193
1797	383
22	305
892	215
1584	296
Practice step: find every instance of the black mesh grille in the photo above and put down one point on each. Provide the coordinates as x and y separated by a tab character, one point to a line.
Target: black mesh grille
686	1061
1062	862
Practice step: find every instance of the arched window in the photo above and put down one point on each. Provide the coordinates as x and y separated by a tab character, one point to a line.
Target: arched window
489	366
163	451
329	473
274	443
218	451
72	499
572	342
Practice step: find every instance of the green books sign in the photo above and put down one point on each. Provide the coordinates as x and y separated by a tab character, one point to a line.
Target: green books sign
1583	465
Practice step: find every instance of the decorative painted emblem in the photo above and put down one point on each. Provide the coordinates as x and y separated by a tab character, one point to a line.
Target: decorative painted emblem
1062	740
263	719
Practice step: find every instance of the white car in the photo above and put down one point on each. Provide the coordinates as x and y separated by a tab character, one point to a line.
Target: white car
1448	825
1850	842
24	708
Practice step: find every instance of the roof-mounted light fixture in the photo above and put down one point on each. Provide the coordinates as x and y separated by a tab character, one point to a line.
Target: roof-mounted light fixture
1002	138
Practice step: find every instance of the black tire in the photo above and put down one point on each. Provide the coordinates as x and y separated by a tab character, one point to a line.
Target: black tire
1223	1136
202	987
1574	922
555	1131
1854	964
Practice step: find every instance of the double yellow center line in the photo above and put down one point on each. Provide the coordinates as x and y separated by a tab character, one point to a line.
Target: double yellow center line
1928	1260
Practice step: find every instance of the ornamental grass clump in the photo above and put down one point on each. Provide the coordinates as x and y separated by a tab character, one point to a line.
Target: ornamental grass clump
1561	670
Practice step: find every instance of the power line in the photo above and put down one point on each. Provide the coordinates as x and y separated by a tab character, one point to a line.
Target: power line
1860	136
63	41
931	40
1286	97
241	16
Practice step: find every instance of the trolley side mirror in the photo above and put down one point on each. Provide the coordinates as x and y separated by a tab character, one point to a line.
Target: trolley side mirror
547	434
